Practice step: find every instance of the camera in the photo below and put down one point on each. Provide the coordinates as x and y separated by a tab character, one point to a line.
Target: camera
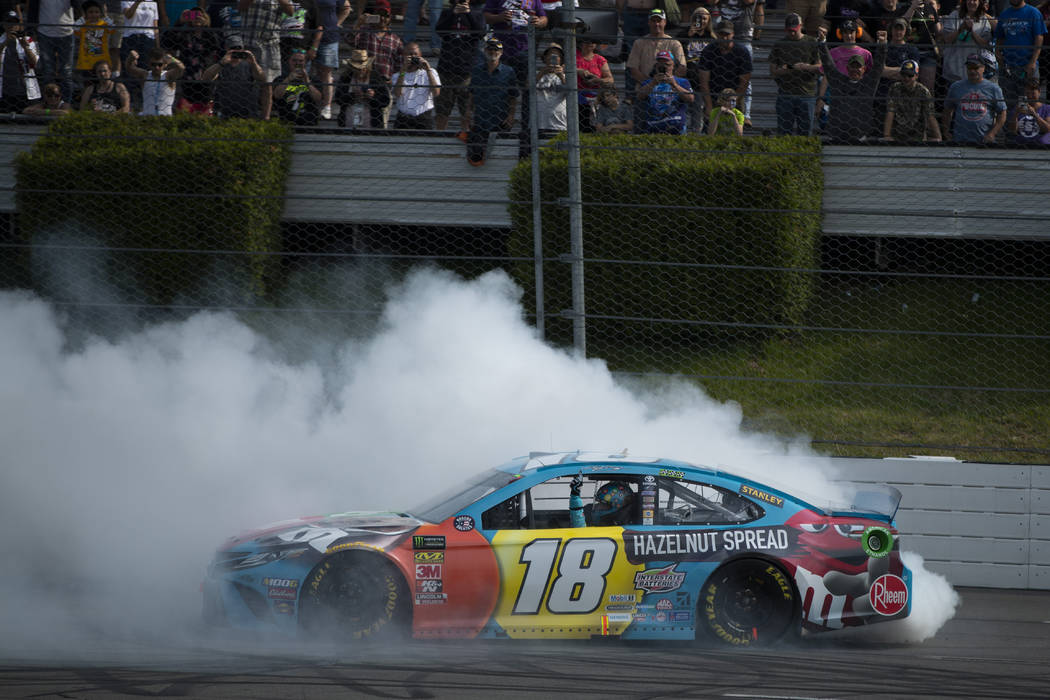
415	61
372	19
242	54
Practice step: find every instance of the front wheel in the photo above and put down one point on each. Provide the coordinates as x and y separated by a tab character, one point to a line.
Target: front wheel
748	602
355	595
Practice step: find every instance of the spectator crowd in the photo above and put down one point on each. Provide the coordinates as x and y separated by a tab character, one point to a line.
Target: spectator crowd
912	71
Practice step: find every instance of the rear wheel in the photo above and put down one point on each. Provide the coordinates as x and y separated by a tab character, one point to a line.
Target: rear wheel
355	595
748	602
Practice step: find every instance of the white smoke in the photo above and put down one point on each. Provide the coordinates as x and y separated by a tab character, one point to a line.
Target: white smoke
125	462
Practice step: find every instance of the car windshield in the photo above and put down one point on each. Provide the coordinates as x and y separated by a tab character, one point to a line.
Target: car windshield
450	502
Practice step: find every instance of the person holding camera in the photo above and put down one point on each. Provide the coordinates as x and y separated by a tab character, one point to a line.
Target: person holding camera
237	77
665	97
18	50
384	46
415	88
550	91
1031	125
295	97
461	29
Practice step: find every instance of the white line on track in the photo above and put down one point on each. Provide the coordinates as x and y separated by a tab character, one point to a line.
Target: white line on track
763	696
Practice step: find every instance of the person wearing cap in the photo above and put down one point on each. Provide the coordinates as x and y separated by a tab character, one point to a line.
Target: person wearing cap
384	46
747	17
634	20
910	114
897	52
238	78
1019	36
852	115
665	98
794	63
493	90
550	90
966	29
54	23
642	58
1031	125
974	108
461	29
18	54
510	21
723	65
362	93
296	98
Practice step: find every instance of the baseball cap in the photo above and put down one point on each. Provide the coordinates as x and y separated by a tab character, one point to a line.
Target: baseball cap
792	21
909	67
657	13
724	26
494	44
11	16
848	26
381	6
664	56
900	22
855	60
974	59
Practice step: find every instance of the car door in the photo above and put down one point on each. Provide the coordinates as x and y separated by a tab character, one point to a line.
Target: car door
557	580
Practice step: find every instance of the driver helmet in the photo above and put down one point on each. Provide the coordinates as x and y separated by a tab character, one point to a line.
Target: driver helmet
612	502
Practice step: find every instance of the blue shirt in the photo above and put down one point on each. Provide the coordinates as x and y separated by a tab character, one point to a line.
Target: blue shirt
491	93
1016	32
976	107
665	108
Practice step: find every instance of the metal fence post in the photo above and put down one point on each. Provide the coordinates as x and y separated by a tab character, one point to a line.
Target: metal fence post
572	116
537	209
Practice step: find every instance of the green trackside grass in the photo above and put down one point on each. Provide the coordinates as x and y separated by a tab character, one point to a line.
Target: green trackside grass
837	386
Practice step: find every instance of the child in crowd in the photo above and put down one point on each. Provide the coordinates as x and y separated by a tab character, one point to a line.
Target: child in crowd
612	116
94	35
725	118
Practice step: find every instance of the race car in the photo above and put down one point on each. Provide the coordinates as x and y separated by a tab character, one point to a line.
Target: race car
574	545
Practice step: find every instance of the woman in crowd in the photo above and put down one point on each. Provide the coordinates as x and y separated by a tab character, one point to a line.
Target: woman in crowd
362	93
550	91
105	95
968	29
197	47
592	73
52	104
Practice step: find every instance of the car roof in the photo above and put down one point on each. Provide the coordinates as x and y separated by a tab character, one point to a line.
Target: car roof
541	460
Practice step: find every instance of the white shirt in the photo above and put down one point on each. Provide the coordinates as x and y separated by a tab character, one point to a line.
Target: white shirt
417	100
145	16
54	12
158	96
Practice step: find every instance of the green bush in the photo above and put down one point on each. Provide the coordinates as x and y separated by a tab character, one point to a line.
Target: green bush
711	202
159	195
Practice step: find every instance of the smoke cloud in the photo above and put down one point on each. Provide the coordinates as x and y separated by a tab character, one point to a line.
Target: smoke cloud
127	460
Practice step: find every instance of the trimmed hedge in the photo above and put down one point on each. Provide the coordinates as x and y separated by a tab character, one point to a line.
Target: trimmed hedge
752	202
155	186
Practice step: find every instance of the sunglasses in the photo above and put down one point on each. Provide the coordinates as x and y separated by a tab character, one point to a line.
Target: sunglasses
298	50
159	64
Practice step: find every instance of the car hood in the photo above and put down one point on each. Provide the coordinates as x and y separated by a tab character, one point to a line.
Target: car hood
363	525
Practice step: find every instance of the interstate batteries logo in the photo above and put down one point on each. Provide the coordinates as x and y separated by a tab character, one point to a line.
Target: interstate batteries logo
888	595
659	580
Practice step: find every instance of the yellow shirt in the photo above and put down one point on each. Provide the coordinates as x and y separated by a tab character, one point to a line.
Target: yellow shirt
93	44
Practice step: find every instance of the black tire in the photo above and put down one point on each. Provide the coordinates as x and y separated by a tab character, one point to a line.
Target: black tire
747	602
355	595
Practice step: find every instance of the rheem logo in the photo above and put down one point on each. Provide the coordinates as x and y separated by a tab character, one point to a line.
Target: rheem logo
888	595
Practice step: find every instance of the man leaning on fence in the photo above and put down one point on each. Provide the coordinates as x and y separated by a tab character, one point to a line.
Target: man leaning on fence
794	63
493	89
974	107
910	116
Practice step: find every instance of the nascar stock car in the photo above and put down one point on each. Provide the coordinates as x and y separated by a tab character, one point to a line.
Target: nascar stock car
574	545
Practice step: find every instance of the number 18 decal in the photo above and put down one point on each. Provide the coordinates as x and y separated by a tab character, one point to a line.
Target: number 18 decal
579	583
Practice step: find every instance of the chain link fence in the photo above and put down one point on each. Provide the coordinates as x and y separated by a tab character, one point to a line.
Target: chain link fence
821	289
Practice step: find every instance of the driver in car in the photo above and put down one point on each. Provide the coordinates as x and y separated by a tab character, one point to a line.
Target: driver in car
613	503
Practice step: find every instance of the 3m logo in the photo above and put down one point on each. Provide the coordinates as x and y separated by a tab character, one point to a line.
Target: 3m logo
888	595
428	570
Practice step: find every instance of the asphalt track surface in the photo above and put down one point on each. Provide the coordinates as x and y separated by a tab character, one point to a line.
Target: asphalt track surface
997	646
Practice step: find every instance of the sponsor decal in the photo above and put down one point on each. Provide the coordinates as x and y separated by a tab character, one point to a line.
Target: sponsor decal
463	523
681	616
664	604
620	606
428	541
660	617
281	582
877	542
604	469
431	557
761	495
648	480
674	474
620	617
662	580
281	592
352	545
647	514
431	598
640	618
428	570
707	545
622	598
430	586
682	599
283	607
888	595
